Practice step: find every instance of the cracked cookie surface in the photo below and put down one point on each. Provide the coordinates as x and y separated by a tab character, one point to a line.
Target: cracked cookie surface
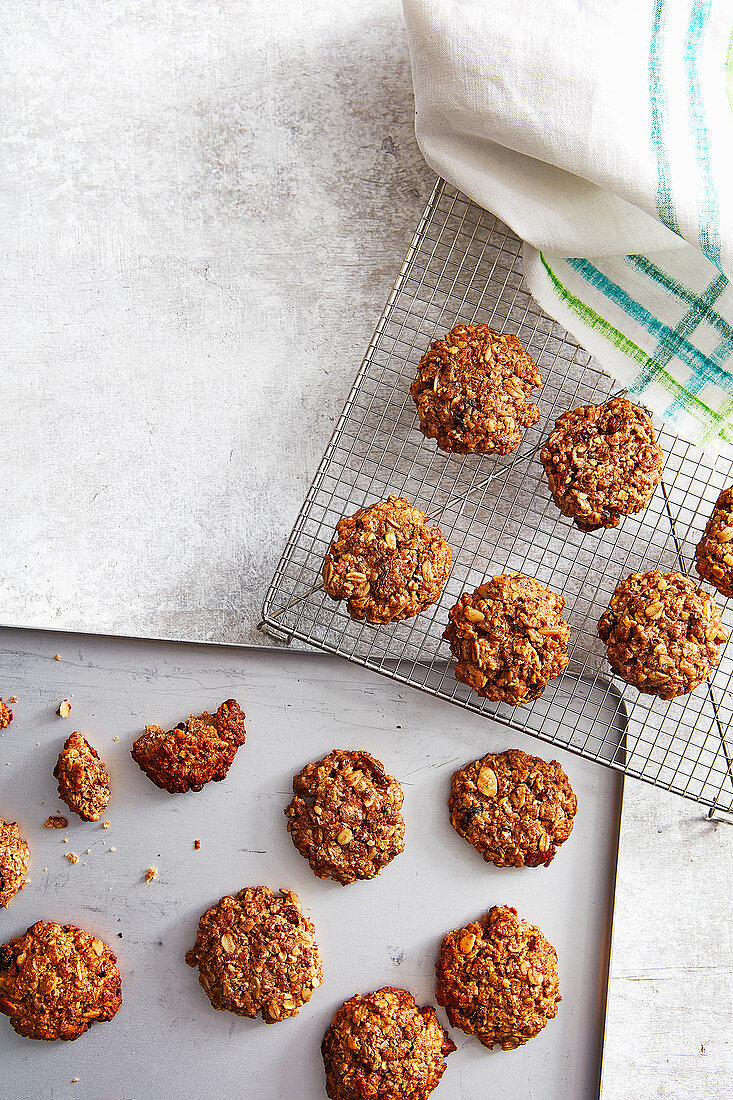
198	751
515	809
14	857
714	552
346	816
387	561
662	633
472	391
83	780
498	980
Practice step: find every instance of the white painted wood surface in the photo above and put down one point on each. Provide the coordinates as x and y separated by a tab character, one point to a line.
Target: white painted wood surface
203	208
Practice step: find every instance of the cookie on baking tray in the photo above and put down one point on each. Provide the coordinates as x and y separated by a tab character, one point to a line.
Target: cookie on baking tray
14	856
662	633
382	1045
498	980
196	752
82	778
472	391
346	816
509	638
56	981
515	809
602	462
257	954
387	561
714	552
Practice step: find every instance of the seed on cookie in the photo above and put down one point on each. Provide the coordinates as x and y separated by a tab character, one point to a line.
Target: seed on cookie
257	954
662	633
382	1045
515	809
346	816
82	778
509	638
197	751
56	981
497	979
387	561
472	391
602	462
14	857
714	552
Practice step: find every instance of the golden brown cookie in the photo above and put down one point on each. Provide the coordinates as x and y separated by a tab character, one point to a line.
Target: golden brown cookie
14	857
472	391
6	715
382	1046
257	954
662	633
387	561
714	552
497	979
83	779
346	816
515	809
509	638
56	981
602	462
196	752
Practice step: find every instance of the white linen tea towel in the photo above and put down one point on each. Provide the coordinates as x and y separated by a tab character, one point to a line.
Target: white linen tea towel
602	133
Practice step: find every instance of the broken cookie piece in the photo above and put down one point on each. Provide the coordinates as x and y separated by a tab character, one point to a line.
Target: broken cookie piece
83	779
6	715
14	855
198	751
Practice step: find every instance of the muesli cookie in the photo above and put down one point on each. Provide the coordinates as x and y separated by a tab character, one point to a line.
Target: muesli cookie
14	857
602	462
198	751
515	809
662	633
381	1045
257	954
6	715
56	981
472	391
498	980
509	638
346	816
714	552
83	779
387	561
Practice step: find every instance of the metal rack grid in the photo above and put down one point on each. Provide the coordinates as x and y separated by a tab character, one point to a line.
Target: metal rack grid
497	515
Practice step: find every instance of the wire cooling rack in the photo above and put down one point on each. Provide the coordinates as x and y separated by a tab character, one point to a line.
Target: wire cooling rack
497	515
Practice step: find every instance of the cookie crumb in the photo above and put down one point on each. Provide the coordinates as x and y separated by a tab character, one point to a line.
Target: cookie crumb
113	849
115	738
89	851
64	708
57	657
105	824
13	699
197	844
72	857
56	821
151	873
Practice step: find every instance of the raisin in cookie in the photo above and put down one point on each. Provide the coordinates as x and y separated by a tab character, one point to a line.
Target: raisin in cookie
602	462
346	816
515	809
387	561
382	1045
257	954
497	979
662	633
196	752
472	391
509	638
56	981
83	779
14	856
714	553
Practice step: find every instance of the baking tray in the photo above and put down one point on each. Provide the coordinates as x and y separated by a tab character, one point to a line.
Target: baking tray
166	1039
497	515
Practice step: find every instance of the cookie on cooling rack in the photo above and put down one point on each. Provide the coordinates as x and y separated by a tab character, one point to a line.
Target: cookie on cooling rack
56	981
14	856
257	954
82	778
662	633
382	1045
472	391
497	979
602	462
346	816
515	809
387	561
714	553
198	751
509	638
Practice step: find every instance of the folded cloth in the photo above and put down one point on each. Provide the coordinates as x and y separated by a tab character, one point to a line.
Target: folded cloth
602	133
